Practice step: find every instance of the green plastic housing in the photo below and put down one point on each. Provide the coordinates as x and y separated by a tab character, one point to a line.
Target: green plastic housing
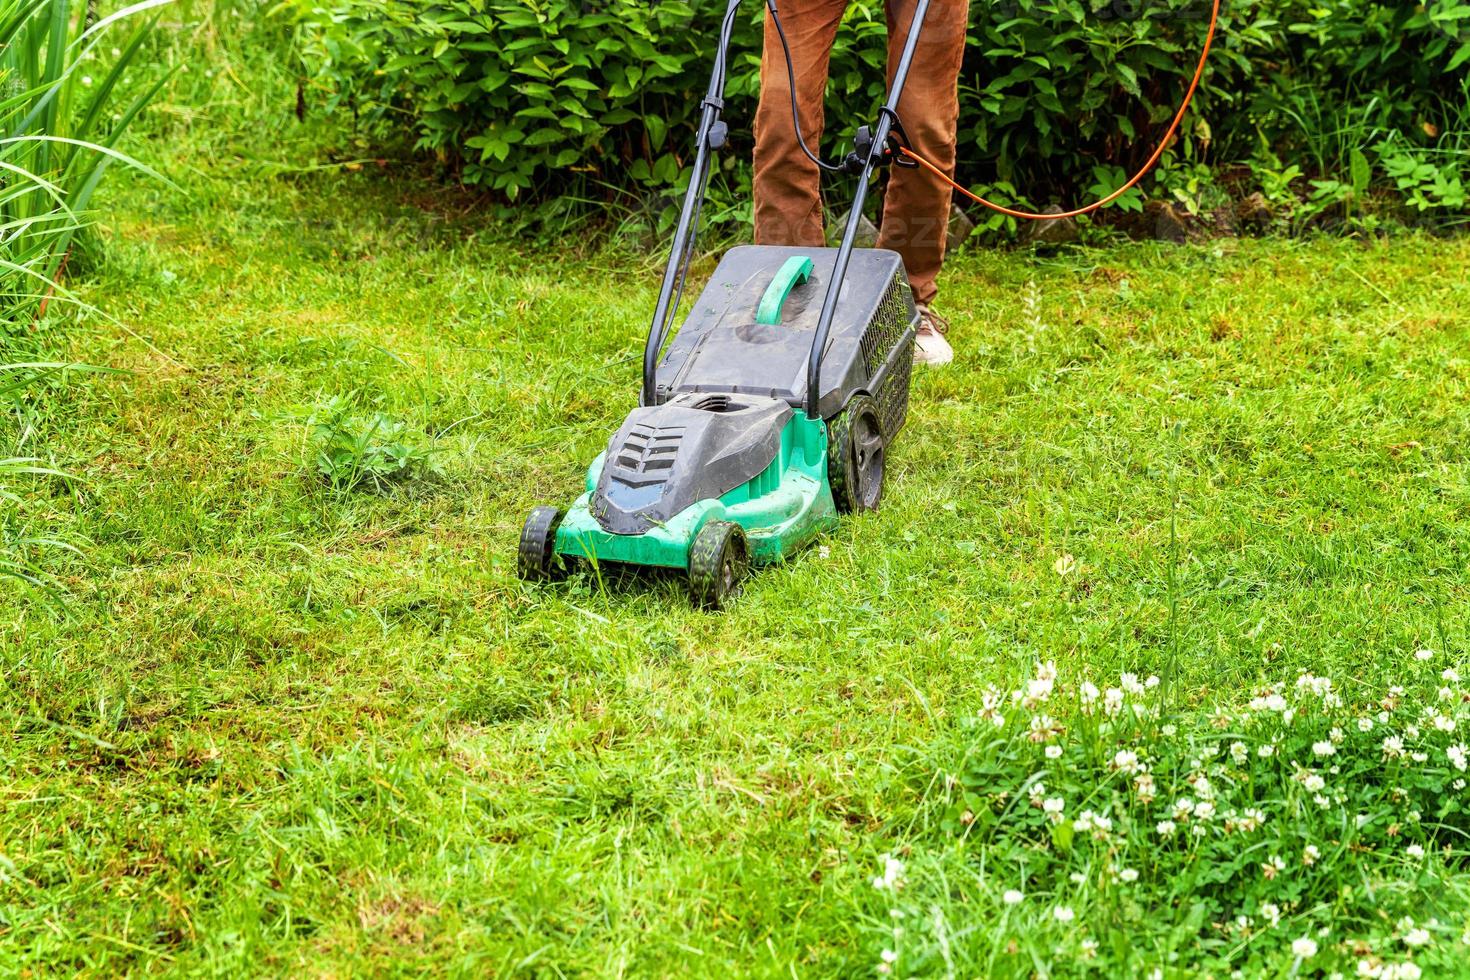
782	509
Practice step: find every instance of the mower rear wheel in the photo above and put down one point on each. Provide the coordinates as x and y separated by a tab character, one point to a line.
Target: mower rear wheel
719	560
855	454
537	560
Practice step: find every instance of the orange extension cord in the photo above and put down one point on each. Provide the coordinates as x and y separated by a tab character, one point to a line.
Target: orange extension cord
1158	152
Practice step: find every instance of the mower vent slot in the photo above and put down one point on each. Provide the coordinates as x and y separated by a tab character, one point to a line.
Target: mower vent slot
888	324
646	451
882	335
713	403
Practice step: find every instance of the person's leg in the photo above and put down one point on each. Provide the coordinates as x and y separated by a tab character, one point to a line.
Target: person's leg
788	202
916	205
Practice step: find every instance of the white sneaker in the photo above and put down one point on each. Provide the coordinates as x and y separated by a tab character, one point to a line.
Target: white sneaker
930	347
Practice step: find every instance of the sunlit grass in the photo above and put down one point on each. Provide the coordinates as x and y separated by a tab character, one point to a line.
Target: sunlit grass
286	727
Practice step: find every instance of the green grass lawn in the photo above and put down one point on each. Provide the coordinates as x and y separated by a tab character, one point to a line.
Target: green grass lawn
286	728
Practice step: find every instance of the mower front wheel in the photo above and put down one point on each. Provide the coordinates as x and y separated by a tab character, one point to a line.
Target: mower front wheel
719	560
537	560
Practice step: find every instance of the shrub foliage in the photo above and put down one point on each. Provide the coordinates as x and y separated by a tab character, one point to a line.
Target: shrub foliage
530	95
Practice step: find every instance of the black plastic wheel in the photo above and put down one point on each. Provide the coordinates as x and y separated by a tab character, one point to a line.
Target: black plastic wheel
855	447
537	560
718	564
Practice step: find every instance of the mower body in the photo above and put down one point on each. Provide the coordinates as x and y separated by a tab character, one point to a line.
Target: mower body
728	439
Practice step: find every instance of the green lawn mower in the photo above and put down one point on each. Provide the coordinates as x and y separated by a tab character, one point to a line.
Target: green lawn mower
771	410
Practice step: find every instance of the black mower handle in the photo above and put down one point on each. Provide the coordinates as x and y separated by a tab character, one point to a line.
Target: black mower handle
872	149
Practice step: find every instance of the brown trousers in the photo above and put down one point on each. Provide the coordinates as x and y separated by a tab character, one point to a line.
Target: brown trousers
788	205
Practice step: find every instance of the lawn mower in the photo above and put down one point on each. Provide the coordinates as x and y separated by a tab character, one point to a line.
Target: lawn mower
771	410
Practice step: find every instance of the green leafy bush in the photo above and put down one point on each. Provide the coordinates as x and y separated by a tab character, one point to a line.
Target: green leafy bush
540	95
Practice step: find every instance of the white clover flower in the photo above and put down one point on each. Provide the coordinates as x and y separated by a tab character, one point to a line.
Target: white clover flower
1304	948
1393	747
1424	654
1271	912
1415	938
1365	724
1129	683
1420	757
1266	751
1151	681
1251	819
1383	717
1047	671
1457	756
1446	694
1321	801
1320	686
1053	751
1166	828
1313	782
889	956
1272	702
1112	701
1239	752
1037	792
1273	866
1415	851
1128	874
892	877
1053	808
1127	761
1089	948
990	703
1183	807
1012	897
1169	731
1204	810
1401	971
1450	674
1323	749
1311	854
1089	693
1077	878
1336	736
1063	913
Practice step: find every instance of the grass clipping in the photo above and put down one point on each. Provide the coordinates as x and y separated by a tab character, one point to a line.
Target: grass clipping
1307	832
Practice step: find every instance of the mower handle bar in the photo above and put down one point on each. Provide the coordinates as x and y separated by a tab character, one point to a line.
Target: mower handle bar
711	136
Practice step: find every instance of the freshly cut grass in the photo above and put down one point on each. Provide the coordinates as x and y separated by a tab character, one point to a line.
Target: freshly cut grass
291	729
